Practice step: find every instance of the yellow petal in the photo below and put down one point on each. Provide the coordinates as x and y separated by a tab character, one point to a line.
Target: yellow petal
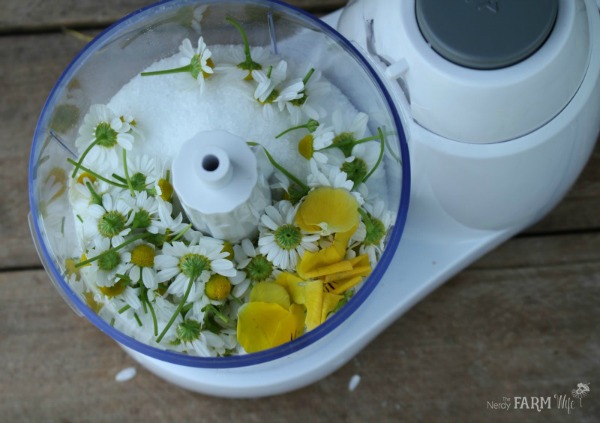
326	271
362	260
330	302
299	313
342	286
293	285
269	292
265	325
327	209
357	271
314	303
310	262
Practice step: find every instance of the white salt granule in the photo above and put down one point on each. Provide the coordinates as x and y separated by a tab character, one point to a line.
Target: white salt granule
354	381
126	374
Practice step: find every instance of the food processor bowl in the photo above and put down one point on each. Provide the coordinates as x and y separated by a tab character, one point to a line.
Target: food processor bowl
123	51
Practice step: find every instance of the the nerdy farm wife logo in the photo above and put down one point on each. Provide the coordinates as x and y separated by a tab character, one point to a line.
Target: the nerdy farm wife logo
566	402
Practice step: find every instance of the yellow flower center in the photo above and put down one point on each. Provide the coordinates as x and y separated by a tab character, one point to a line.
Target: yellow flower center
116	289
305	147
228	248
143	256
217	288
85	176
166	189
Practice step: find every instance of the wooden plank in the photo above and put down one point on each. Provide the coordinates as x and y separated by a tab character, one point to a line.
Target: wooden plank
37	15
529	251
579	209
527	329
36	62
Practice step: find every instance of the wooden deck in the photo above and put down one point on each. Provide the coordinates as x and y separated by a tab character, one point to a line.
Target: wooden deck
523	321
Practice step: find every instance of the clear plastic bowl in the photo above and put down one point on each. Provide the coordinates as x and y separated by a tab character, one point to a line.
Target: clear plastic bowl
133	43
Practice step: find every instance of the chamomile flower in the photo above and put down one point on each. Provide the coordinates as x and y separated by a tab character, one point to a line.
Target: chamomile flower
141	265
256	266
199	58
131	297
167	224
100	137
124	123
377	220
232	61
197	61
143	171
268	81
314	145
109	263
80	195
328	176
194	262
348	128
109	221
144	209
280	239
357	166
311	96
203	342
287	96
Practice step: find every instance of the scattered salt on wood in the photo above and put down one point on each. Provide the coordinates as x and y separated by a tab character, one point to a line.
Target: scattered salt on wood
126	374
354	381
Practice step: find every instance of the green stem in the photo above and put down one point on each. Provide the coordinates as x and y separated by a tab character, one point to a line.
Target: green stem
281	168
364	215
311	125
96	175
143	294
381	150
308	75
245	41
154	321
181	232
117	248
120	178
127	178
123	309
351	143
179	307
85	153
96	199
186	68
137	318
216	312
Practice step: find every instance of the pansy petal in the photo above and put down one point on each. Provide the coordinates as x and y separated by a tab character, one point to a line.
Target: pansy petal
265	325
335	207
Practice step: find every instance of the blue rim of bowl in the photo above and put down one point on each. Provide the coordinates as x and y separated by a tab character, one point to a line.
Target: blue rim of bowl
308	338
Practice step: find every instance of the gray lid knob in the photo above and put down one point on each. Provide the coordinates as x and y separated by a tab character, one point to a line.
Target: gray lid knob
486	34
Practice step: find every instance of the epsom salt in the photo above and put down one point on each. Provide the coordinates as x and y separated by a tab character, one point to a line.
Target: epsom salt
126	374
170	109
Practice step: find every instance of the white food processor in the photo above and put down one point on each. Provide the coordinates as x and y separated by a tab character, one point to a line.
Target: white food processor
491	109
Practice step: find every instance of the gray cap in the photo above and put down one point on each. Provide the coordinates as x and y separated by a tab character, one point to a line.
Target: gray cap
486	34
